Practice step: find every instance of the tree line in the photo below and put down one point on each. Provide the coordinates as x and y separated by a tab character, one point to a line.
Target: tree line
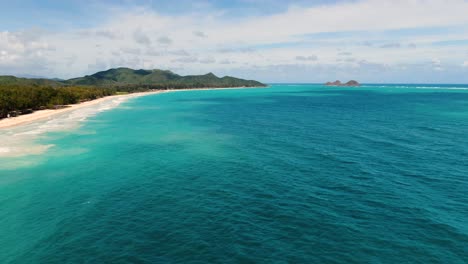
22	99
22	96
18	99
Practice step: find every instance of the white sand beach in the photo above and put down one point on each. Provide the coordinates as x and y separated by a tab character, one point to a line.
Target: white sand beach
43	114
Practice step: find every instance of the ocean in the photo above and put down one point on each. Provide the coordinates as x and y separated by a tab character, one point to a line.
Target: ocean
293	173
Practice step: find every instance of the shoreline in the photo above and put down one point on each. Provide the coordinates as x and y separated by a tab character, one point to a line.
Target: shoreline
47	113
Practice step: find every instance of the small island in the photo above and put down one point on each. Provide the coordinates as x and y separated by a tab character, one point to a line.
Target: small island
338	83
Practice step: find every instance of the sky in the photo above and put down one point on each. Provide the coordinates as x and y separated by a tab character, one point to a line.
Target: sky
372	41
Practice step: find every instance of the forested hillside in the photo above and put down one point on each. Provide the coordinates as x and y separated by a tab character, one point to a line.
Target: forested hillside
158	79
22	95
24	99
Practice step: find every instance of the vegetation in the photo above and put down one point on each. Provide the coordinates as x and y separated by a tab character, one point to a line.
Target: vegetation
22	95
158	79
12	80
21	99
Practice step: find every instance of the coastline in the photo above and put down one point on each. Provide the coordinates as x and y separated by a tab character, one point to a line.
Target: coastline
48	113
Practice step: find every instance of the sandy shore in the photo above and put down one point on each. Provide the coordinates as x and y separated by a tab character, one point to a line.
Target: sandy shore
43	114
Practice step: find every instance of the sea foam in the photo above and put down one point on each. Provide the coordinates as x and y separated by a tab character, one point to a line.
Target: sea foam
24	140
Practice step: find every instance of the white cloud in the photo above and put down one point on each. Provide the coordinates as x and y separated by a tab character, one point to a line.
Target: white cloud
465	64
106	34
207	60
154	53
102	33
199	34
226	61
24	52
390	46
186	60
133	51
165	40
351	16
140	37
179	53
143	38
307	58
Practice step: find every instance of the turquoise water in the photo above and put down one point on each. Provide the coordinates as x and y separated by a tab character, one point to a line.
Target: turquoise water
288	174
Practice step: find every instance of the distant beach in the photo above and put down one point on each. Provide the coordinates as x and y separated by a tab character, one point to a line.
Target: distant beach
48	113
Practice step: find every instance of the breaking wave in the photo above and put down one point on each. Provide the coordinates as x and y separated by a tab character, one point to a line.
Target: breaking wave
23	140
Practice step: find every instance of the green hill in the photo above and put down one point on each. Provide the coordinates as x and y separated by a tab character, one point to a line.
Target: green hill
12	80
158	79
22	95
144	79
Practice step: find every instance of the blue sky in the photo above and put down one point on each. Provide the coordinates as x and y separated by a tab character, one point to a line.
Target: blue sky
26	13
417	41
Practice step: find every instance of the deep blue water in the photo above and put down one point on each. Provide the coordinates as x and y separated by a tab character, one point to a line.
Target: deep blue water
287	174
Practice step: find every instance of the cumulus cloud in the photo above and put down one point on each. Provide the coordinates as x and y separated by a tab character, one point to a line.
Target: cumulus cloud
106	34
142	37
24	43
25	52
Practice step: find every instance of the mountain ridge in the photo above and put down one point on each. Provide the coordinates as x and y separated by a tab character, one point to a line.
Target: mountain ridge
22	95
158	79
125	77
